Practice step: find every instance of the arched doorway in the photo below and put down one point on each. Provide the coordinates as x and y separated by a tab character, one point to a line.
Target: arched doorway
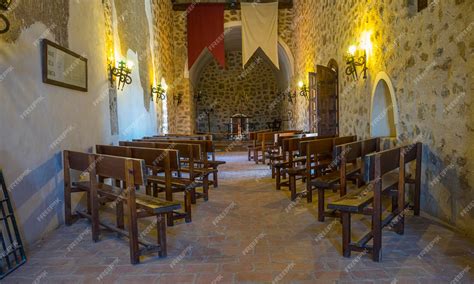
384	109
221	93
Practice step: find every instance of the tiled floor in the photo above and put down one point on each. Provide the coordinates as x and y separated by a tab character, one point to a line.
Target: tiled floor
249	232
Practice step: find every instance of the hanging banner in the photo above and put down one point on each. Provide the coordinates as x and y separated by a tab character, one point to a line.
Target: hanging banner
206	30
260	29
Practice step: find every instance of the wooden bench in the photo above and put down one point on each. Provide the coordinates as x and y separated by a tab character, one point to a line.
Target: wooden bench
206	145
189	154
155	162
381	179
255	146
346	164
298	171
131	173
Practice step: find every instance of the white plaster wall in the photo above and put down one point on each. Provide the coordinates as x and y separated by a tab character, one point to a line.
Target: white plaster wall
26	154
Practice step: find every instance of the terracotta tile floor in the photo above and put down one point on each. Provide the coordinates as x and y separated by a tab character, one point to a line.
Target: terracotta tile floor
249	232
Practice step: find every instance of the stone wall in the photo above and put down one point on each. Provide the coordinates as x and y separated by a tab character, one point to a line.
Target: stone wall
182	118
234	90
428	57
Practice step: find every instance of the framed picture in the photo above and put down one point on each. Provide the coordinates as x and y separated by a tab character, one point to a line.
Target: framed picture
62	67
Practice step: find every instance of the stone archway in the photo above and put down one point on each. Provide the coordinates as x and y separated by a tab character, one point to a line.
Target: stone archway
384	108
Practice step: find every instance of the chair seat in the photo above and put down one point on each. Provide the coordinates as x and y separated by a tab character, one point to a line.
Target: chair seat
332	178
148	203
176	182
357	200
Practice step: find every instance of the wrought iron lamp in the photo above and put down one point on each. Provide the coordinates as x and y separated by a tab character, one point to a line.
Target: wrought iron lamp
4	5
122	71
353	62
159	91
178	99
304	92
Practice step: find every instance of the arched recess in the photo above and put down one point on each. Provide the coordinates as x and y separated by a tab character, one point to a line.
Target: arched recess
384	108
233	42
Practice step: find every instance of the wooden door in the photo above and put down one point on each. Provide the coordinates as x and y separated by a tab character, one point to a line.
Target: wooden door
327	104
313	112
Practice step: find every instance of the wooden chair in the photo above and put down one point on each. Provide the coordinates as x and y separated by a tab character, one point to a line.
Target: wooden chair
131	173
345	165
189	154
381	180
255	146
155	163
206	145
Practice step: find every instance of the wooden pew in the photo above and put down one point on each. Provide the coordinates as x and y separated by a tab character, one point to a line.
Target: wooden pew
346	164
380	180
255	146
155	163
131	173
208	147
189	154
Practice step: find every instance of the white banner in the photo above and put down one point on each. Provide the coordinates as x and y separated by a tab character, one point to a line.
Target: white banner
260	29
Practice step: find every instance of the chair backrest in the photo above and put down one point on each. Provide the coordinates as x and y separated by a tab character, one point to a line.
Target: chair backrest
357	149
184	149
76	161
118	168
390	160
113	151
152	157
315	148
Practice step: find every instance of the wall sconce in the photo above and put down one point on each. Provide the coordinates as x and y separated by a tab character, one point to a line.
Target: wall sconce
178	99
198	97
304	92
122	72
4	4
353	61
159	91
358	56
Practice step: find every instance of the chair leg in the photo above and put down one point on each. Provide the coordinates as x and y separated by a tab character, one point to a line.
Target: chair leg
346	234
120	215
161	226
193	196
187	205
205	187
321	205
278	178
133	234
377	230
249	155
293	187
215	178
255	156
94	209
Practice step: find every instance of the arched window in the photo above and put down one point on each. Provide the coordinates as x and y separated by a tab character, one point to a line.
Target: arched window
384	112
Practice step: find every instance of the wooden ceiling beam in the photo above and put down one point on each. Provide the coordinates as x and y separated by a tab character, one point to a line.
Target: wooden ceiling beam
182	5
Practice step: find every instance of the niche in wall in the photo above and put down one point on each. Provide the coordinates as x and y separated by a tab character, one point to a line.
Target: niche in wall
384	111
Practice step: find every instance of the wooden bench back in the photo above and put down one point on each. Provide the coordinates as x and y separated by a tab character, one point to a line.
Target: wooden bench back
389	160
206	145
354	150
118	168
185	150
320	149
152	157
77	161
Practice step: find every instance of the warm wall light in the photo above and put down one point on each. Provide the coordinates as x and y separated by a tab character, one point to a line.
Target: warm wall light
122	71
178	99
358	56
159	91
303	89
4	4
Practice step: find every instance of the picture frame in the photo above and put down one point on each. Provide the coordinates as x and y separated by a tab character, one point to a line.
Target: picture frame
63	67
